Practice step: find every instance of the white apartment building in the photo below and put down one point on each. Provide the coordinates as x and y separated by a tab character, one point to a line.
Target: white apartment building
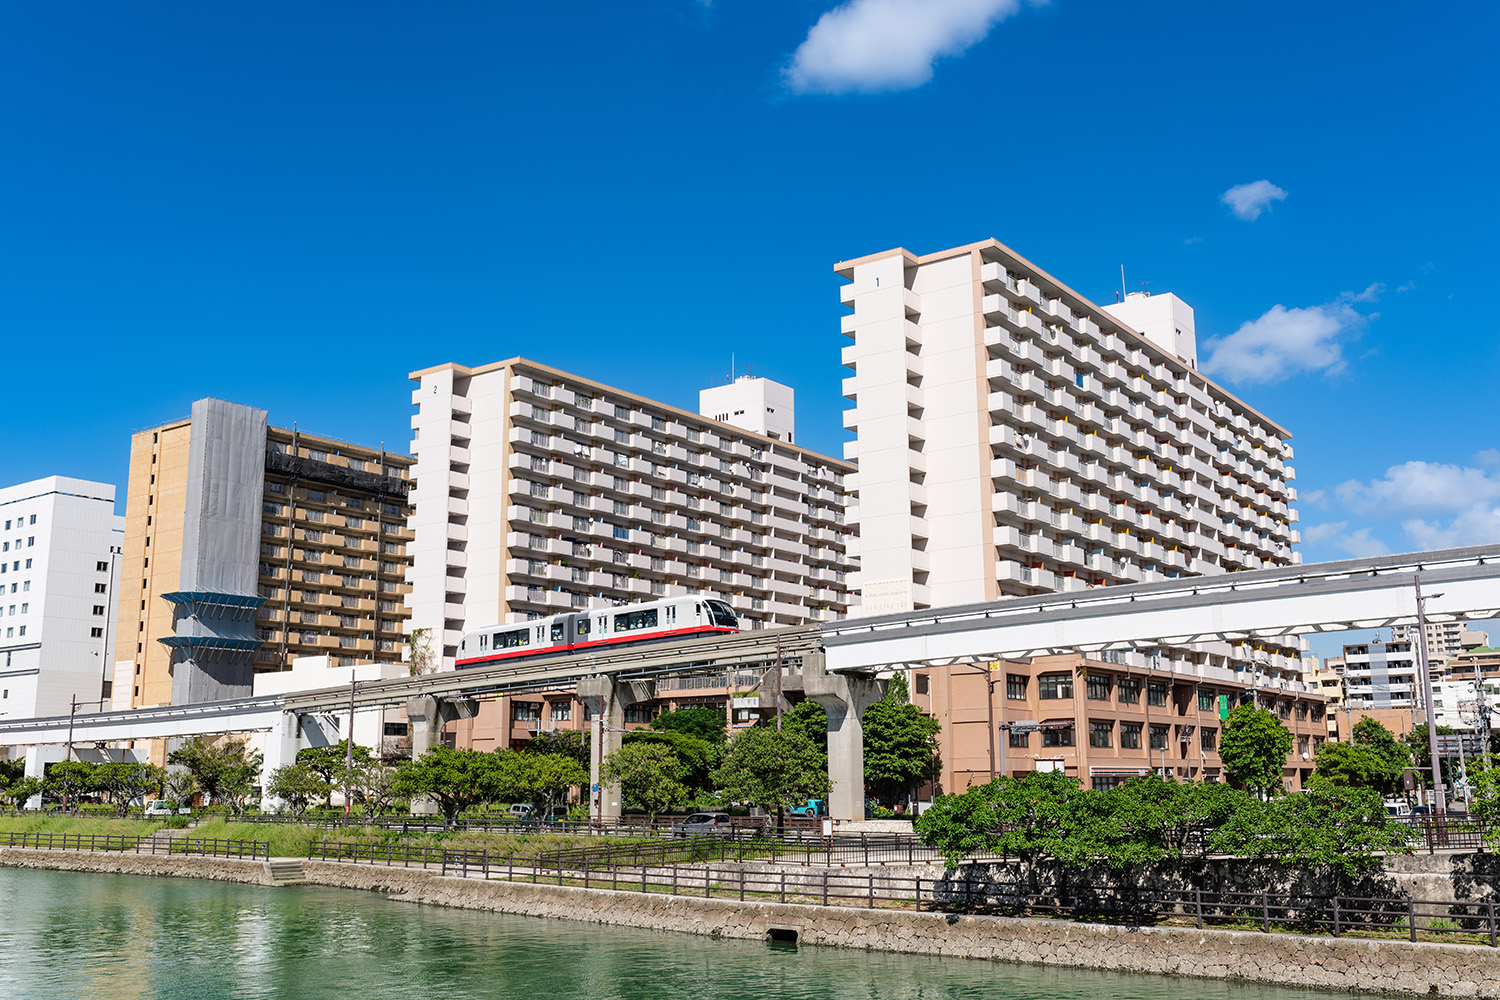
60	544
1014	438
538	491
1379	675
1457	702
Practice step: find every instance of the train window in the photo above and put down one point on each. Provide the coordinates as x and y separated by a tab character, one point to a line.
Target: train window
511	640
541	633
722	614
482	641
583	626
558	630
671	611
634	621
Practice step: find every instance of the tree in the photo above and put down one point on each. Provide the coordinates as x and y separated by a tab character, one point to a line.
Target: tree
1024	817
707	724
420	659
899	742
372	784
21	790
327	762
1394	754
808	718
1343	830
542	779
698	757
1421	756
225	772
1352	765
455	779
772	769
298	785
126	782
1253	747
1147	820
650	776
180	786
572	743
71	779
11	771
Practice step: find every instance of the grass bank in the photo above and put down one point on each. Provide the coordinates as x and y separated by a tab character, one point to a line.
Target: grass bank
83	826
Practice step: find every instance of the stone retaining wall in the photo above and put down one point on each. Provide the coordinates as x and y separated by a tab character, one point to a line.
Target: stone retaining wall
1395	967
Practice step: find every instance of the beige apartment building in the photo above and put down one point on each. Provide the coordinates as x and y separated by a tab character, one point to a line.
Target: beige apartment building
537	491
248	545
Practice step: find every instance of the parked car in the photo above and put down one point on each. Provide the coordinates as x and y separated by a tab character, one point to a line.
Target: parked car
166	807
1399	808
812	807
524	811
703	824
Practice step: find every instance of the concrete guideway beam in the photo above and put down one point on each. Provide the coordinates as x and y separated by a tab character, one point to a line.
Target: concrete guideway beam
607	699
845	697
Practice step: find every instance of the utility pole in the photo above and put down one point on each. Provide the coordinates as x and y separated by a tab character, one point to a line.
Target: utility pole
349	745
68	754
1432	740
778	683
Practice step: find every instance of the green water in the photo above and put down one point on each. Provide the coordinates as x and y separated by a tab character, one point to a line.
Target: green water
111	937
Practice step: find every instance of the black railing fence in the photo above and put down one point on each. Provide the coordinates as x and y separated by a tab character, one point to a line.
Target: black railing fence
244	849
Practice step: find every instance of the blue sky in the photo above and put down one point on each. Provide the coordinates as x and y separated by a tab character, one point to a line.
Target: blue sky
191	193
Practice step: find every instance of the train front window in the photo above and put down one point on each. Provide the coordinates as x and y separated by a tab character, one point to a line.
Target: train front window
722	614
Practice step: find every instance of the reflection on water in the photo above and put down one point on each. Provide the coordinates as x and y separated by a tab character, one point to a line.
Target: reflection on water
114	937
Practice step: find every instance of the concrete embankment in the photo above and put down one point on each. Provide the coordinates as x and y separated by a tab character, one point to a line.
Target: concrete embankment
1396	967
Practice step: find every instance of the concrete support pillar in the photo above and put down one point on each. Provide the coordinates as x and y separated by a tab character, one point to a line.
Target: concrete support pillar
282	744
37	759
426	715
844	697
607	699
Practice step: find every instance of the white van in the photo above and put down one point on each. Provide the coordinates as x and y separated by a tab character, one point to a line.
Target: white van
1398	808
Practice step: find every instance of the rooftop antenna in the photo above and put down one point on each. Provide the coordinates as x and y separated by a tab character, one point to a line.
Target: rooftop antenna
1146	287
1122	282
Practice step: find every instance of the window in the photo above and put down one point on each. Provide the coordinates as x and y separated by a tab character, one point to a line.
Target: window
1156	693
1159	736
1205	699
1057	737
1208	739
98	609
562	711
924	683
1128	692
1055	686
511	640
1019	741
1130	736
100	588
526	711
102	567
632	621
1015	687
1101	734
1098	687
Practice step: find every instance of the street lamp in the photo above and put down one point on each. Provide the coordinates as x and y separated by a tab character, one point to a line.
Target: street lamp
1438	791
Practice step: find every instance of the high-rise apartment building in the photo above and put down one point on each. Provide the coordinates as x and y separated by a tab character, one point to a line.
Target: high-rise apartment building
537	491
1013	438
247	546
1444	639
59	572
756	404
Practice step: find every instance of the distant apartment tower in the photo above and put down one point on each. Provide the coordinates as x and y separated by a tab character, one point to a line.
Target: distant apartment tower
59	572
1382	675
247	546
537	491
1013	438
755	404
1444	639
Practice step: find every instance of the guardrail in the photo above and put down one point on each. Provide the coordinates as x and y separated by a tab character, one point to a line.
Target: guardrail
252	849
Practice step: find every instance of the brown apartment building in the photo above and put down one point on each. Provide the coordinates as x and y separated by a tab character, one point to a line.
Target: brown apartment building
247	546
1100	722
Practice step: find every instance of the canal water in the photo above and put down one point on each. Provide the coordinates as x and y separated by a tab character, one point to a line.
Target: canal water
112	937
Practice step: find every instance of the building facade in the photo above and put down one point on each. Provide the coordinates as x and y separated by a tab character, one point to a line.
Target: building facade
248	546
538	491
1098	721
1444	639
60	543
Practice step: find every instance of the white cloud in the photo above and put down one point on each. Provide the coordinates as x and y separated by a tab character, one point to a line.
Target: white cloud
882	45
1355	543
1247	201
1372	293
1285	342
1450	505
1425	488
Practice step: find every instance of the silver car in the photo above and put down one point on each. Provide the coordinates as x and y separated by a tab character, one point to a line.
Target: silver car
703	824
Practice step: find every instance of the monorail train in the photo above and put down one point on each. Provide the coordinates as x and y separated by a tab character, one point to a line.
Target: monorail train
598	628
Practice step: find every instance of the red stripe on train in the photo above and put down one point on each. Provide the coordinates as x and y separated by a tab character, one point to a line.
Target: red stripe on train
575	647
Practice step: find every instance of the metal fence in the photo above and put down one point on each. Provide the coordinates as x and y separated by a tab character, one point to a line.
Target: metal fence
1449	832
252	849
793	847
